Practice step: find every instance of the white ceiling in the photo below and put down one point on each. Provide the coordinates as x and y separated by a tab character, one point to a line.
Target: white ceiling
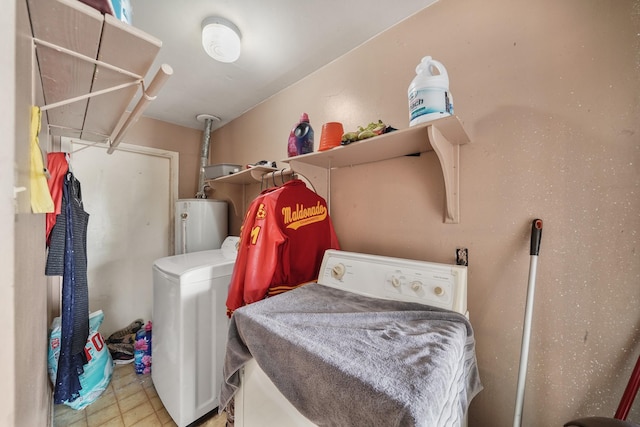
282	42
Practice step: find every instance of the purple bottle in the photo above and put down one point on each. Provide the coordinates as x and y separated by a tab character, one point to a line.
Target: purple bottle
304	135
301	137
292	150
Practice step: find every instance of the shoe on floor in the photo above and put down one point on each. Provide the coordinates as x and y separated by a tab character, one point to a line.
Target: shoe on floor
121	358
127	339
123	335
121	353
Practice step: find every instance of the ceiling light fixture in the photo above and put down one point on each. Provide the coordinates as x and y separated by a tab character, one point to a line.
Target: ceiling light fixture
221	39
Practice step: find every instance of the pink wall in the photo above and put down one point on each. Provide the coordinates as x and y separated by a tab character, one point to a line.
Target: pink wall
548	93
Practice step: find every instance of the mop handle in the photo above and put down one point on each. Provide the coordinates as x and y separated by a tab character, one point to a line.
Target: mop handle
536	236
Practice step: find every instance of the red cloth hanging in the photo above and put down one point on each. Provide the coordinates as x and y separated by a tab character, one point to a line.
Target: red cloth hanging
58	167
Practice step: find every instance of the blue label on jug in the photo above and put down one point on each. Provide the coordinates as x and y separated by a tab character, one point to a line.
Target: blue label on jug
429	100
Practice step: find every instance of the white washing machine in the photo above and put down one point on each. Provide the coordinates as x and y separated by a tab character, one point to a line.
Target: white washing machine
190	329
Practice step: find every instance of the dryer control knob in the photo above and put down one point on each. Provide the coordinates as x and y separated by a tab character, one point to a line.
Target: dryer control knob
338	270
438	291
416	286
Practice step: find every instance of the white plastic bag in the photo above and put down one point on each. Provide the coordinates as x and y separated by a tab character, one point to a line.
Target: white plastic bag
98	369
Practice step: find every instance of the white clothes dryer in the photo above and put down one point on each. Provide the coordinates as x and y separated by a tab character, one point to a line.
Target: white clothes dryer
190	329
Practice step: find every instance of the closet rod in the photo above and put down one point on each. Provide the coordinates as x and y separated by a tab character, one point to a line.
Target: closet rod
88	95
79	131
161	77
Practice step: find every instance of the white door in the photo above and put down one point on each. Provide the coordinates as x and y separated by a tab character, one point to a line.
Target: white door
129	196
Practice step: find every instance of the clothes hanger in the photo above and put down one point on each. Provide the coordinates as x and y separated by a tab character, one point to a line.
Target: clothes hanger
70	175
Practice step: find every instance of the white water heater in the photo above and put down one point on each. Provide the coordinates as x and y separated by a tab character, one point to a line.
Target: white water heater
200	225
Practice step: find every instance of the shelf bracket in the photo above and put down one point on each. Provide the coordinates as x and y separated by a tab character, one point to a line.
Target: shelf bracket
228	193
449	156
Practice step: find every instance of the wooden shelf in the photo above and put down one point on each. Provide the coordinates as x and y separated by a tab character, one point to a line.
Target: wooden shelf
253	175
444	136
81	52
244	177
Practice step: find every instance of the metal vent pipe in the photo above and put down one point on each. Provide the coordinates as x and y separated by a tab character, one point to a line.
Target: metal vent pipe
204	151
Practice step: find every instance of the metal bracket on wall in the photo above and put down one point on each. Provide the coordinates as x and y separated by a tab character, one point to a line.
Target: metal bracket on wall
462	256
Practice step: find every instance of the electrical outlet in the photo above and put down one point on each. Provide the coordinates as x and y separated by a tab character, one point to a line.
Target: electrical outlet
462	256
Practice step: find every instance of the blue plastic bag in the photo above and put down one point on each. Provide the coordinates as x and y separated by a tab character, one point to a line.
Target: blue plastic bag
98	369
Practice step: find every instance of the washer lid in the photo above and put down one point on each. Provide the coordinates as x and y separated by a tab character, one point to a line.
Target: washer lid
229	246
206	262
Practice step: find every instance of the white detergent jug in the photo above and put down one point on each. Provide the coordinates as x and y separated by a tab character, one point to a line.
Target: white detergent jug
429	96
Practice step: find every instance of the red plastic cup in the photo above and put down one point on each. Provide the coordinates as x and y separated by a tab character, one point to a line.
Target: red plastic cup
331	135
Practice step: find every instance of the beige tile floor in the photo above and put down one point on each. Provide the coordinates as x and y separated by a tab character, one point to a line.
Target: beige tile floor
130	400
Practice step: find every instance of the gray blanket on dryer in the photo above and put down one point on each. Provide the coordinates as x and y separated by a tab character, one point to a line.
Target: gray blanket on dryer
344	359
